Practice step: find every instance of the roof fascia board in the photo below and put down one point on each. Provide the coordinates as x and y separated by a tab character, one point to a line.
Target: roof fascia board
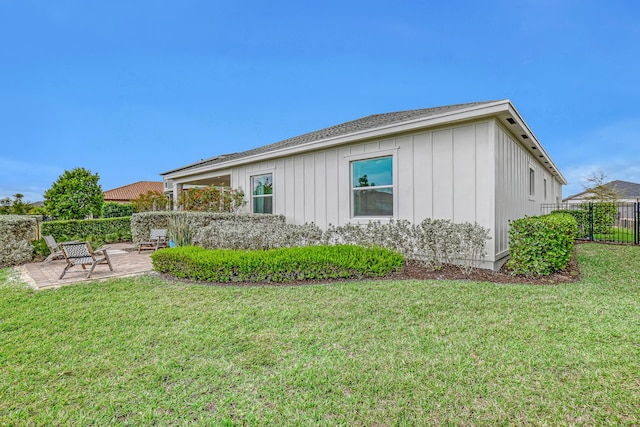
475	112
203	173
534	140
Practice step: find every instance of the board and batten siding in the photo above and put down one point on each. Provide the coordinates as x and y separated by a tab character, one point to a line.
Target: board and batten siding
476	172
445	173
513	199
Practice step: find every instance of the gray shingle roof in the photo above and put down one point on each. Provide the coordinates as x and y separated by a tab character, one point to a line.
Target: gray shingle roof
626	190
366	123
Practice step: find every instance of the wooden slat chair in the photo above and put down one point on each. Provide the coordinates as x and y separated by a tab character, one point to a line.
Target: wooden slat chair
157	240
56	253
80	253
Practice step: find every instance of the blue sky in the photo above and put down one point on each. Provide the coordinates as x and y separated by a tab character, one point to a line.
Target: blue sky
130	89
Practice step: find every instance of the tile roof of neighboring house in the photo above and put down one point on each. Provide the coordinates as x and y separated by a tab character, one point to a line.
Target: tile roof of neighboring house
132	191
369	122
626	189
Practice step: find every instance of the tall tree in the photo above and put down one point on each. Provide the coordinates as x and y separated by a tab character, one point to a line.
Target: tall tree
598	188
18	207
75	195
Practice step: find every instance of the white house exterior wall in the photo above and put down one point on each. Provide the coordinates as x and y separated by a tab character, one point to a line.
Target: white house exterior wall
466	163
513	201
446	173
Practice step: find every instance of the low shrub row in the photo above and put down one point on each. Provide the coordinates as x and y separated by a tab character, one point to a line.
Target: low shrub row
541	245
276	265
143	222
251	236
117	210
434	241
107	229
599	215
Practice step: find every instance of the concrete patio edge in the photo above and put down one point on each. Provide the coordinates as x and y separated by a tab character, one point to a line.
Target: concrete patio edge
125	260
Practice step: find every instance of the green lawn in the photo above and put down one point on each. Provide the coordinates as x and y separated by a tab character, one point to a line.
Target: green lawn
617	235
145	351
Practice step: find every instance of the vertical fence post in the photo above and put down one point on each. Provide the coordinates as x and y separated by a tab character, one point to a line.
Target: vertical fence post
636	225
591	221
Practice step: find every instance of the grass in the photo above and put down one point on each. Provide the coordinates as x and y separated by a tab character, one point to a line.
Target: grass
617	235
143	351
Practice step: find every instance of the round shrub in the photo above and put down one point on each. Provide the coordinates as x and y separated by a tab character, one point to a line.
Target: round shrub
541	245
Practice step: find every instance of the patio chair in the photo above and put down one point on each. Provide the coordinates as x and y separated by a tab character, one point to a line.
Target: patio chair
80	253
157	240
56	253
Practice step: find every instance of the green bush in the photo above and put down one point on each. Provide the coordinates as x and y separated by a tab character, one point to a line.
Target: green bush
40	249
276	265
102	229
541	245
17	232
212	199
604	217
582	220
117	210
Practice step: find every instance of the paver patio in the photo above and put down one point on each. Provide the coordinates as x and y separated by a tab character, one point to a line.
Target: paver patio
125	262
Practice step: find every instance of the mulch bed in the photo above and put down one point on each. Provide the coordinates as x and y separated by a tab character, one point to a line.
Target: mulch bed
416	271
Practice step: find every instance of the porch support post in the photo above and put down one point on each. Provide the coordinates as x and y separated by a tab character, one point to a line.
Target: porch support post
177	190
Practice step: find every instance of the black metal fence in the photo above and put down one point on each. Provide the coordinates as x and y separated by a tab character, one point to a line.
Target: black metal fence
611	222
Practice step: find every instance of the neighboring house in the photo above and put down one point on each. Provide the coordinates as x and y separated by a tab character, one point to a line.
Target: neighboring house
129	192
476	162
628	192
629	195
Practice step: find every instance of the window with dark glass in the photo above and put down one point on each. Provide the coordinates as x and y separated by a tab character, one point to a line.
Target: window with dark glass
372	187
262	193
532	182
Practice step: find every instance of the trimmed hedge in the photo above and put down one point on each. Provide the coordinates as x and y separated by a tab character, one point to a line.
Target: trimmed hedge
17	232
143	222
434	242
253	236
276	265
117	210
603	214
83	228
541	245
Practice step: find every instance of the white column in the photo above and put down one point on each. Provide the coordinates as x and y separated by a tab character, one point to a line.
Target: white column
177	190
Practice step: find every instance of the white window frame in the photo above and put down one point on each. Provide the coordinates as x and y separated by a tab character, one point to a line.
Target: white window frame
257	174
393	153
531	181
